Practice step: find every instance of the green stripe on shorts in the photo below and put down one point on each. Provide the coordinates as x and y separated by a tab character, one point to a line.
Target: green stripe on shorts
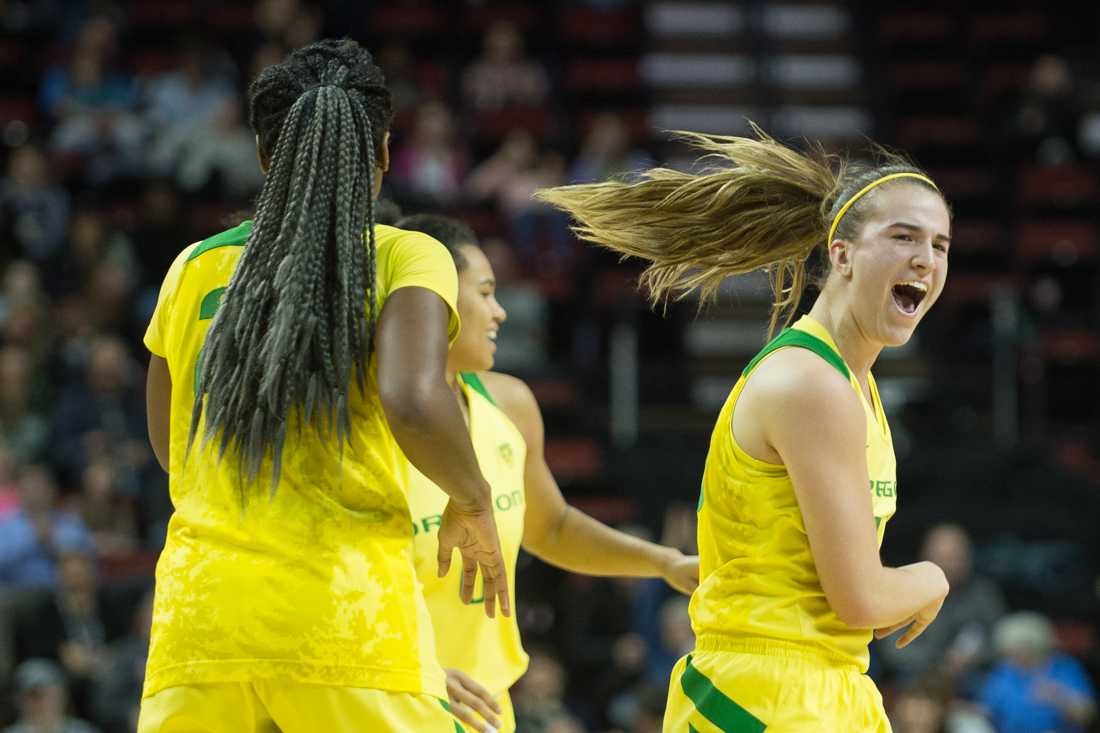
712	704
458	726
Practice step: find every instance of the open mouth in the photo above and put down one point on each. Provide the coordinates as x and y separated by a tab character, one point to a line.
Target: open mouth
908	295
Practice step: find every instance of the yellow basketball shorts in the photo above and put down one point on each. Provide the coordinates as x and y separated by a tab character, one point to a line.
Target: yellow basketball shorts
507	713
285	707
784	692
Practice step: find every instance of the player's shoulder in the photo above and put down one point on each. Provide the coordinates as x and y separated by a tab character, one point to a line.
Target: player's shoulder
505	387
512	395
799	381
388	237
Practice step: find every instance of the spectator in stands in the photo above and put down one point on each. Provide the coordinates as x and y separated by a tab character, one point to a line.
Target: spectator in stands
408	91
274	18
1033	688
94	105
22	281
223	151
606	152
34	209
1044	124
23	428
184	101
26	325
160	232
32	537
510	178
9	489
75	326
189	95
503	76
41	695
117	690
523	345
928	705
641	710
93	241
676	640
68	625
105	510
431	166
306	27
959	642
266	54
102	416
539	703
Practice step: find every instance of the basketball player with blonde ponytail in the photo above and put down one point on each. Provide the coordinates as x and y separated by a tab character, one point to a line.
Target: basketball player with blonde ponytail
800	479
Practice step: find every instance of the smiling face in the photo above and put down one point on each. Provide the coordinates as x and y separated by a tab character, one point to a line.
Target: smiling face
481	314
896	265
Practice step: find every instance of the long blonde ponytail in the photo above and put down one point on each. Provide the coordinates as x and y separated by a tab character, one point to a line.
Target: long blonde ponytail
767	206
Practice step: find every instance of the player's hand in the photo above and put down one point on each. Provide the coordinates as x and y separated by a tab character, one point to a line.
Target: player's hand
920	621
681	571
471	703
473	531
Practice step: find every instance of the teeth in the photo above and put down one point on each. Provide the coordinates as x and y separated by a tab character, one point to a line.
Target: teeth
917	284
493	335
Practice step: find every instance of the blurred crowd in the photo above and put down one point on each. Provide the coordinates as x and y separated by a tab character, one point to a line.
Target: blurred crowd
123	158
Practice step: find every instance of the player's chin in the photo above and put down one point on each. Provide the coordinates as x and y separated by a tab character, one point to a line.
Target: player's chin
485	361
897	334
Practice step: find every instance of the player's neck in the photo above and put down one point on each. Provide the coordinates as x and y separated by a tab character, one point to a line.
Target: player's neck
858	351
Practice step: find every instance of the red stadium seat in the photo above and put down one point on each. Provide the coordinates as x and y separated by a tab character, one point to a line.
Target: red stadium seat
230	18
616	76
925	76
496	125
18	108
154	61
973	235
1006	26
574	458
554	393
971	287
400	20
1064	241
969	182
151	14
1071	345
1061	186
476	18
917	27
590	26
939	130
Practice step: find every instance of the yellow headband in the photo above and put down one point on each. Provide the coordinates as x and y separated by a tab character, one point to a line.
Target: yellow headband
844	209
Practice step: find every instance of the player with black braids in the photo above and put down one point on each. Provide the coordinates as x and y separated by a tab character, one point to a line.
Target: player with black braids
297	359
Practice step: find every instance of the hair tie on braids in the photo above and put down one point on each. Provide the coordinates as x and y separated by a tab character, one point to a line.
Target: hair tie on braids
298	316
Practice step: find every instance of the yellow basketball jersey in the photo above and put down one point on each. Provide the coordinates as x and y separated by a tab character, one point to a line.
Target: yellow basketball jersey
758	580
315	585
488	649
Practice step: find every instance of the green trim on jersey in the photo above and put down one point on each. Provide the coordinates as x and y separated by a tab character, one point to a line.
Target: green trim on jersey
714	705
475	383
210	303
801	339
235	237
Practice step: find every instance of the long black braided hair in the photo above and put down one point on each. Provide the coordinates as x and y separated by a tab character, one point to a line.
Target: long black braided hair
298	316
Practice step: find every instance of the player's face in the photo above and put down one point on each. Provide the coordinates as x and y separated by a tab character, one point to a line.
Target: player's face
480	312
898	266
